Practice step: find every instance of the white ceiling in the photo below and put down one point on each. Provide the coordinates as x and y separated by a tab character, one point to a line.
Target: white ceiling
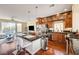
20	11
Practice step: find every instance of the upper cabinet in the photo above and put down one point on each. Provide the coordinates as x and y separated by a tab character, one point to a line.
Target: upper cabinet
41	21
65	16
49	19
54	17
49	22
68	20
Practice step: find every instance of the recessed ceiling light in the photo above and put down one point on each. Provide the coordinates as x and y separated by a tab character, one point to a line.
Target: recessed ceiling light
36	7
28	11
57	14
65	9
52	5
36	20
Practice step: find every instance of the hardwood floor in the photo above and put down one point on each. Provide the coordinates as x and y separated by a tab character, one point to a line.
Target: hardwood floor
54	48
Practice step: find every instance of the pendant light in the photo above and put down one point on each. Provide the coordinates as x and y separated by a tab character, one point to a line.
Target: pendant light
28	14
36	11
36	7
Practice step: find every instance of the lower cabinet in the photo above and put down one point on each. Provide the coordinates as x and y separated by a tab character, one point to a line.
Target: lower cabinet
34	46
58	36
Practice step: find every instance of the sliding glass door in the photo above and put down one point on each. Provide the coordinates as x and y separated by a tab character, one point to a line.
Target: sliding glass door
8	27
19	27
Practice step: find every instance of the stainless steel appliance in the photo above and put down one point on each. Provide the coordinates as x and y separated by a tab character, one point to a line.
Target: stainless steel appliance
44	43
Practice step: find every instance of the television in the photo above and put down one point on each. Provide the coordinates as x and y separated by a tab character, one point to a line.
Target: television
31	28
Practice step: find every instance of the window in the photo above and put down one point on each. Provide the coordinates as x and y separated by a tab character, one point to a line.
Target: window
19	27
8	27
58	26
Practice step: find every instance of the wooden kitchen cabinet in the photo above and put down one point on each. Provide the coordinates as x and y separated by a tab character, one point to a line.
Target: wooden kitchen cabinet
49	19
58	36
68	23
65	16
50	24
41	21
60	17
44	21
54	17
68	20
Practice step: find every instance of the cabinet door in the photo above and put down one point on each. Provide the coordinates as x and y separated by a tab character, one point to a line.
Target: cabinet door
36	45
29	48
68	23
50	24
68	20
57	36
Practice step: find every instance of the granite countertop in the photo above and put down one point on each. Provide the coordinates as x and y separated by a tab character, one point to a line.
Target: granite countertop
59	32
34	37
73	36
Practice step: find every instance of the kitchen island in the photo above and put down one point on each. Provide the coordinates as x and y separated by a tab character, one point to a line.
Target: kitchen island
31	43
34	47
35	43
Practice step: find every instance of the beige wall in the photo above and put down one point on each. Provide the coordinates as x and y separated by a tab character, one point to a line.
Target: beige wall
75	17
31	22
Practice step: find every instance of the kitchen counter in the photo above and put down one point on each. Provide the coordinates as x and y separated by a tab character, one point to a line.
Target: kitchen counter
73	41
31	43
36	42
33	37
58	32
